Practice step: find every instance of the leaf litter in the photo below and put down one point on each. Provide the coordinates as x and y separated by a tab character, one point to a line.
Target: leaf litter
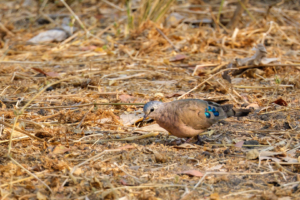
75	75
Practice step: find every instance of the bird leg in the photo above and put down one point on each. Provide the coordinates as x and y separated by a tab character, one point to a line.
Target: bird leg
199	140
188	140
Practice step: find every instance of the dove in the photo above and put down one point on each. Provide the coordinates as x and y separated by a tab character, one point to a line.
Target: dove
189	117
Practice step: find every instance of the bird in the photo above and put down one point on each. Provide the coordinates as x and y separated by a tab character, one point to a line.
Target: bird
188	118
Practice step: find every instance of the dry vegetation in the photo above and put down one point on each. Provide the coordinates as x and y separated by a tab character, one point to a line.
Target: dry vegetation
69	107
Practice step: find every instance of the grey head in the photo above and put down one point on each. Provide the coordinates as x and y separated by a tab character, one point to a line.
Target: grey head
151	107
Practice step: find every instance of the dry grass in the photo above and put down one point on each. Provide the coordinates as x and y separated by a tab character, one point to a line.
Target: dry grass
71	100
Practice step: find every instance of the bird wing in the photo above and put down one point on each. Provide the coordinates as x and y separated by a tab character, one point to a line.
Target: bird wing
198	114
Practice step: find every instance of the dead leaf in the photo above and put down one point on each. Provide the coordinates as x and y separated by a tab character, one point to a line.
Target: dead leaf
78	171
125	98
41	196
127	147
186	146
130	119
50	74
154	128
178	57
60	149
214	196
55	35
159	157
252	154
280	102
192	172
239	144
217	167
269	195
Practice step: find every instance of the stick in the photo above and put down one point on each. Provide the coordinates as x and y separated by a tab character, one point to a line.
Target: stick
205	81
89	104
22	131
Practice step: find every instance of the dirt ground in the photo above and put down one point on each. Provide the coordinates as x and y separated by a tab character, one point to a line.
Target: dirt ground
71	106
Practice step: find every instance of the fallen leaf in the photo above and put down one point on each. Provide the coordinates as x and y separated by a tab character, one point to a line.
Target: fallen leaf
280	102
178	57
127	147
55	35
41	196
125	98
192	172
130	119
239	144
78	171
60	149
154	128
159	157
214	196
50	74
217	167
252	154
186	146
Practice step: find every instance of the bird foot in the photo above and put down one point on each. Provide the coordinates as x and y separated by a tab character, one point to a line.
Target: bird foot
199	141
177	141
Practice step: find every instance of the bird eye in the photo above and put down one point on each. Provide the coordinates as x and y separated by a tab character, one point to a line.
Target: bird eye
152	109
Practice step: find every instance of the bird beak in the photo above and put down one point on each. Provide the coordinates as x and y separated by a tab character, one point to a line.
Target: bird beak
144	118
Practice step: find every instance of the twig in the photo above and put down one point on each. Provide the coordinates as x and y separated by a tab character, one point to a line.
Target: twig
287	171
87	32
237	14
113	5
135	178
21	180
59	63
127	77
6	30
170	42
21	131
30	173
261	87
201	66
20	138
124	139
89	104
205	81
93	158
3	91
137	187
26	105
217	68
243	192
231	173
76	17
79	125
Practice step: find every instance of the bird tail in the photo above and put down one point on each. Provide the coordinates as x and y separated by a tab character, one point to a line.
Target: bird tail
230	111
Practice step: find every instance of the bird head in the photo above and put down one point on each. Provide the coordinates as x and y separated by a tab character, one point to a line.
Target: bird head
150	107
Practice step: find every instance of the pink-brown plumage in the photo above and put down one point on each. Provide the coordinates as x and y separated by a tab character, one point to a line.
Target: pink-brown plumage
186	118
